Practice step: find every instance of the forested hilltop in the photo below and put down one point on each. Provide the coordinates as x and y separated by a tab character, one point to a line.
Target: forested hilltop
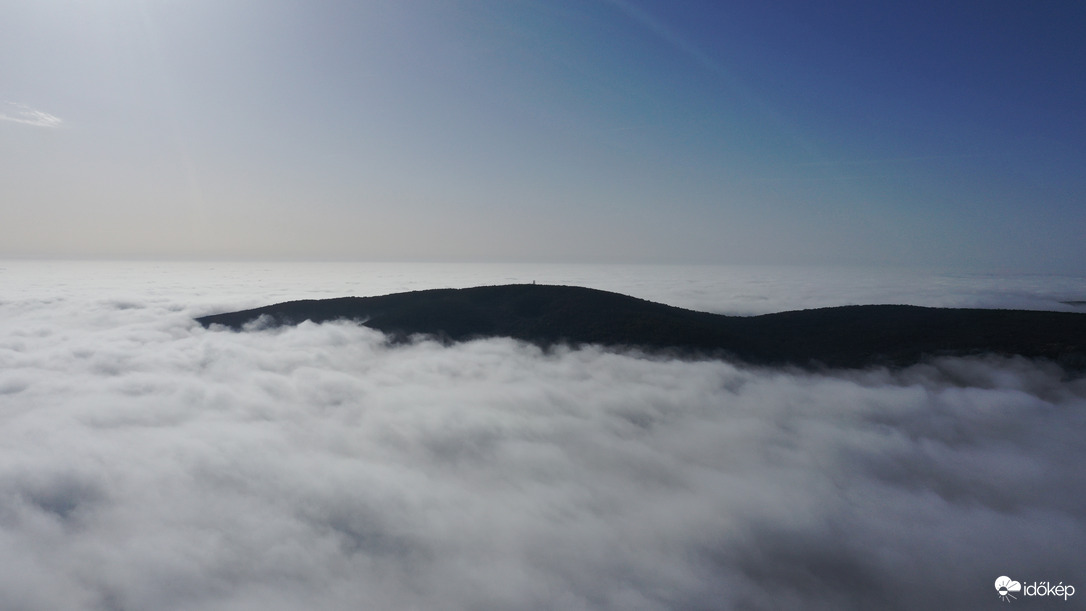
846	336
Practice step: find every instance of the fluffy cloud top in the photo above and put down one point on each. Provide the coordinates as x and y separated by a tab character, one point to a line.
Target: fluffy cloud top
146	463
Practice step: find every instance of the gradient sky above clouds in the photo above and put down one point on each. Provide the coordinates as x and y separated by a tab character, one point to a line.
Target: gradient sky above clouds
920	133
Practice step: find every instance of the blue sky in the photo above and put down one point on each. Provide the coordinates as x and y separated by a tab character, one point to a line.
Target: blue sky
912	134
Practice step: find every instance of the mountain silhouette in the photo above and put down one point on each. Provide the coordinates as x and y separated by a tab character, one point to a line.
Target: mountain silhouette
837	337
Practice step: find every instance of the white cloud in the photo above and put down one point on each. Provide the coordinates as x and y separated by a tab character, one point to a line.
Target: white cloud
21	113
148	463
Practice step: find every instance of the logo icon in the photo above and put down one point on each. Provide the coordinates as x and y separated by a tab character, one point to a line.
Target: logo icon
1004	586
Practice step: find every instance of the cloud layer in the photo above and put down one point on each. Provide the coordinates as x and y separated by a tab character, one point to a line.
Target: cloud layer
148	463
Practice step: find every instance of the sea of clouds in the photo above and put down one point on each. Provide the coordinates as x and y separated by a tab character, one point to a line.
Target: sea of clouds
149	463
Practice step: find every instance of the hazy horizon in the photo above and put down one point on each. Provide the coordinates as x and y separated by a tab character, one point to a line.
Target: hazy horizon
723	289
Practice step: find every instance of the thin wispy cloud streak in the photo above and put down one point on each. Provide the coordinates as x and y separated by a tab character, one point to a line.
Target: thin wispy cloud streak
889	160
736	85
15	112
146	462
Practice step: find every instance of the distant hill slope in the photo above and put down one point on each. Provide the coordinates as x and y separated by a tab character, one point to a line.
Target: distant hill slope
847	336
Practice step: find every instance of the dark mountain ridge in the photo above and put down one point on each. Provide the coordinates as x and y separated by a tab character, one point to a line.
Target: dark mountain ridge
845	336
